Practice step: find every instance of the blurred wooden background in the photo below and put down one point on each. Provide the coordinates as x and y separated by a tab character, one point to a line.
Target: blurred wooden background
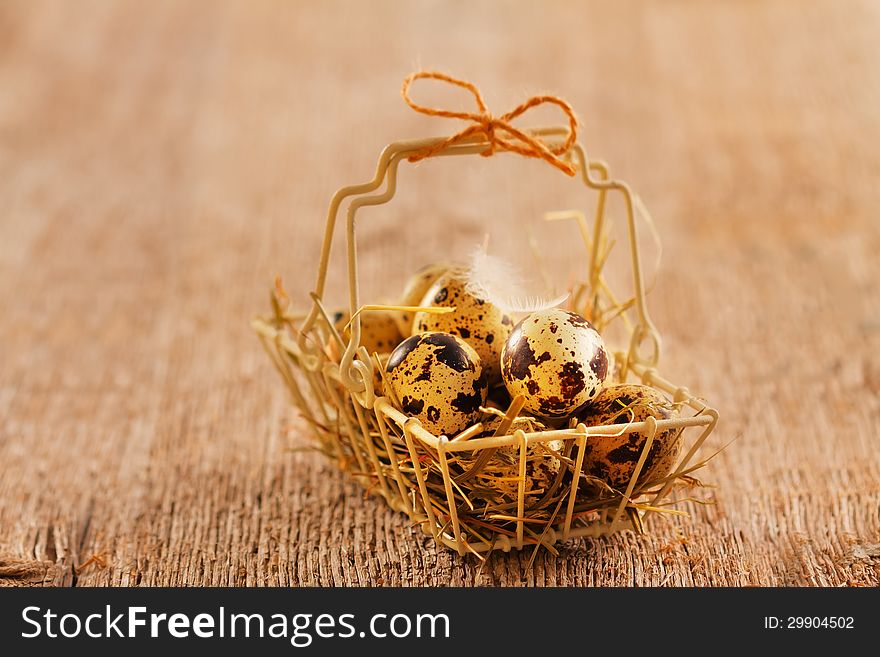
161	161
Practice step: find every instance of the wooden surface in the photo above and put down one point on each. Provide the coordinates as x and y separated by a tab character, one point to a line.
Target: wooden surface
160	162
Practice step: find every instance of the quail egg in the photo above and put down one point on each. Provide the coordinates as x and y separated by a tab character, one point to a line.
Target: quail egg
501	473
556	360
379	332
438	378
479	323
415	291
613	458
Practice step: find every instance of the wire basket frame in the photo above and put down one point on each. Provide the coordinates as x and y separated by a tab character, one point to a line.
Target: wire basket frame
419	473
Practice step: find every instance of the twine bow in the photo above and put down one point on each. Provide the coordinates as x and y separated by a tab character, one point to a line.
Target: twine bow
498	131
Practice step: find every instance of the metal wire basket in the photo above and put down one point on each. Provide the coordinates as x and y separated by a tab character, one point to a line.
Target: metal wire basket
333	383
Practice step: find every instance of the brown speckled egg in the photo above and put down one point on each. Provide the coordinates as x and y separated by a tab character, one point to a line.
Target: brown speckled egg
556	360
379	332
501	473
479	323
613	458
415	290
438	379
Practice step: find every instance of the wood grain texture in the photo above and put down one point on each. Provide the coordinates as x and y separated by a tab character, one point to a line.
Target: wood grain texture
160	162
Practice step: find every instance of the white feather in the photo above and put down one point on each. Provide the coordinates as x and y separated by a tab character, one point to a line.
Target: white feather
502	284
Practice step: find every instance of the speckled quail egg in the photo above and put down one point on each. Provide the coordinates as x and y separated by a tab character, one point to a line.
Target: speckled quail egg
556	360
415	290
482	325
438	378
379	332
501	473
613	458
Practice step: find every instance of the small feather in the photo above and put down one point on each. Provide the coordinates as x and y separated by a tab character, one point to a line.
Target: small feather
501	284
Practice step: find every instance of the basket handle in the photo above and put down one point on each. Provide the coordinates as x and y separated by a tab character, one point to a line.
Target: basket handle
485	136
594	175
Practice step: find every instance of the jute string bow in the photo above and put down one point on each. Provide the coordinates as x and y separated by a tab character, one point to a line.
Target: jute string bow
498	131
